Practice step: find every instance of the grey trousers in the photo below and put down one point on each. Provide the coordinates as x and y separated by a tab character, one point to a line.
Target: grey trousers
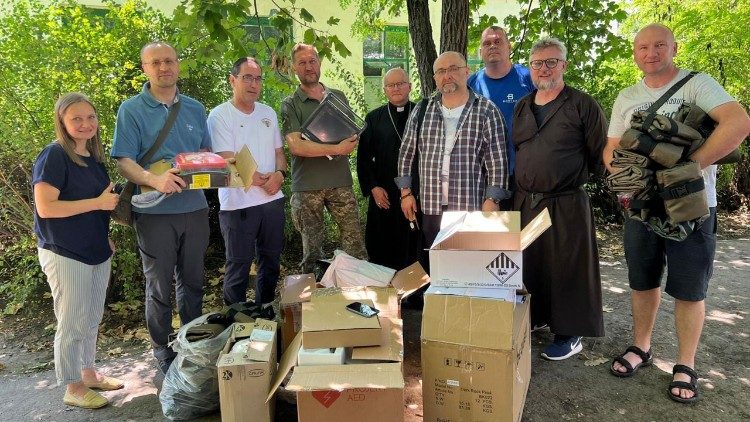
78	293
173	247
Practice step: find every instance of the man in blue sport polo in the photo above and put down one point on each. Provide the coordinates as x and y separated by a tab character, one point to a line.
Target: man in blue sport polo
172	235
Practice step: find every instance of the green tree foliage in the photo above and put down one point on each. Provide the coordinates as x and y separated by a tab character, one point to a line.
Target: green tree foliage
46	50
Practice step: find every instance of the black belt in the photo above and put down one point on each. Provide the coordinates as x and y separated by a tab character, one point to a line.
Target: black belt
536	197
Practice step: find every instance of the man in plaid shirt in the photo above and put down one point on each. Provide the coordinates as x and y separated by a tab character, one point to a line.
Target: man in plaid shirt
463	163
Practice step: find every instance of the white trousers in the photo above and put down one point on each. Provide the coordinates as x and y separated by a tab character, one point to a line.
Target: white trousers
78	291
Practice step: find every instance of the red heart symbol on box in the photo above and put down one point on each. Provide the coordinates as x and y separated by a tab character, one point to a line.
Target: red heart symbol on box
326	397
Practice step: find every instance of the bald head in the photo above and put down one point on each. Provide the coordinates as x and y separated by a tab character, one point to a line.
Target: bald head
655	29
654	49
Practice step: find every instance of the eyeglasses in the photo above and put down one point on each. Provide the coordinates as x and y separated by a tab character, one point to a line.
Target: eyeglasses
250	78
157	63
452	70
396	85
550	63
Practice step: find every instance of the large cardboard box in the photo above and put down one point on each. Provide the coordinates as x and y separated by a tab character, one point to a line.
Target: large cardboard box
295	290
476	358
371	392
300	289
483	249
329	324
245	378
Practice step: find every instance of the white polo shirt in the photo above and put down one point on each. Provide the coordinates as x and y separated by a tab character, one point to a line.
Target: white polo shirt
231	129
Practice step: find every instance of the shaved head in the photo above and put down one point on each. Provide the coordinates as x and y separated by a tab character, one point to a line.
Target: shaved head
666	33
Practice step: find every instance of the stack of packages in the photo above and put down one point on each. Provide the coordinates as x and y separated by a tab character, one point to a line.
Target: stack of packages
653	177
476	351
344	365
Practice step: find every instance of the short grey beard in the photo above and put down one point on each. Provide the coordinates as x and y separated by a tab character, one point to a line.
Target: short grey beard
449	88
545	85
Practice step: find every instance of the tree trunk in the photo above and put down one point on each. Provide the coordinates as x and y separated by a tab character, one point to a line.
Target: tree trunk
421	39
454	26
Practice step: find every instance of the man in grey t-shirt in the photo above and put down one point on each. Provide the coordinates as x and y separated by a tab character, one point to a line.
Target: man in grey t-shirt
689	262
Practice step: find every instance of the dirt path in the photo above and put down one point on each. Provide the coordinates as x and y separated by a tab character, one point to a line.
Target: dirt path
580	388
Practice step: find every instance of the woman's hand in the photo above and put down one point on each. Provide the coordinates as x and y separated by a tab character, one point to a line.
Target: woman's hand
108	200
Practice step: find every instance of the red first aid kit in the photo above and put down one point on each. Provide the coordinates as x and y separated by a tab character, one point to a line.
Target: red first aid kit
191	162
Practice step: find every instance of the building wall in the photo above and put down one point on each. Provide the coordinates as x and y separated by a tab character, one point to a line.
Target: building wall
322	9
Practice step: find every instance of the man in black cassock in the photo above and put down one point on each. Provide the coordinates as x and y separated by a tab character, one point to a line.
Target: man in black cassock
389	239
559	134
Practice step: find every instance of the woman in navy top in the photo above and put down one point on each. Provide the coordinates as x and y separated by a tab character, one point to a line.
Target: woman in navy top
73	197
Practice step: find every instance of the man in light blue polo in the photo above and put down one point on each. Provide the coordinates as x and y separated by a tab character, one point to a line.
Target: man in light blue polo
173	235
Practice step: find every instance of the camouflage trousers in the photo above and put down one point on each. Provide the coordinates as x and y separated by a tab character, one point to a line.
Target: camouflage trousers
307	215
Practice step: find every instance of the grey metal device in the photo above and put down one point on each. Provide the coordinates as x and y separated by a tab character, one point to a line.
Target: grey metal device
332	122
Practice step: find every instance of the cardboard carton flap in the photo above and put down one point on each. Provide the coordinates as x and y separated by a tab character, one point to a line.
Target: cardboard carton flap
391	347
246	166
342	377
535	228
450	224
479	230
297	288
333	315
287	362
409	280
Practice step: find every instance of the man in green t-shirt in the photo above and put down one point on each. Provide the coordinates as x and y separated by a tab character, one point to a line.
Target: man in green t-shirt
321	177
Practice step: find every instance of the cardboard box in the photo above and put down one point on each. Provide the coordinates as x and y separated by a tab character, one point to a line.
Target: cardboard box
329	324
387	299
245	378
483	249
342	393
239	175
296	290
476	364
299	289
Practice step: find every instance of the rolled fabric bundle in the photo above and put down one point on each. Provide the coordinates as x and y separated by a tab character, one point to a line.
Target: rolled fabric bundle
632	179
683	191
694	116
664	153
622	158
664	129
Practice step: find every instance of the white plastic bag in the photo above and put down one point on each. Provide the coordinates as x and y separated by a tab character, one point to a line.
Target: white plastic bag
348	271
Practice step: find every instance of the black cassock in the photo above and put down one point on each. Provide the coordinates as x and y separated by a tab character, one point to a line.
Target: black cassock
388	238
553	162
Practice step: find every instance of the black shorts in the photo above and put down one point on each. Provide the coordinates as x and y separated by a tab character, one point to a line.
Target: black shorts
689	263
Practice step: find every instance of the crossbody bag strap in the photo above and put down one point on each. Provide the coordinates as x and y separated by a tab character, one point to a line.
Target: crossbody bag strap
162	133
667	95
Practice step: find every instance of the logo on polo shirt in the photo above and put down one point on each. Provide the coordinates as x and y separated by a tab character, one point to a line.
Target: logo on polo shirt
189	127
266	122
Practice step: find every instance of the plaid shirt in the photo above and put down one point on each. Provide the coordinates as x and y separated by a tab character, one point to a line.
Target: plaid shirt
479	161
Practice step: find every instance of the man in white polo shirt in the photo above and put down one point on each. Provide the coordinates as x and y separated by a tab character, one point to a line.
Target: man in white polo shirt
254	220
